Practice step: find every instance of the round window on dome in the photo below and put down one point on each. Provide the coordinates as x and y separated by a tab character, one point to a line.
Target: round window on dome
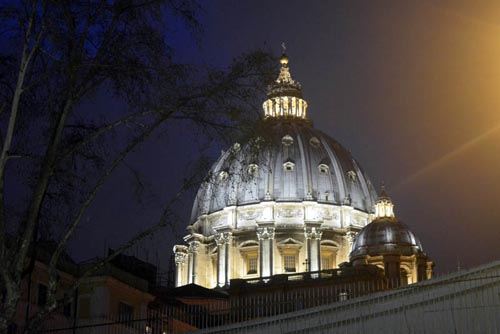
223	175
323	169
287	140
351	175
253	169
314	142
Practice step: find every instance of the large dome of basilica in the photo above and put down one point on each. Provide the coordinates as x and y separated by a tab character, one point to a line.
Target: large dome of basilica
290	161
295	162
289	199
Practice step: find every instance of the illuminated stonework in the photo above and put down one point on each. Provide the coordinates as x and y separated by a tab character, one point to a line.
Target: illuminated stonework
290	202
287	106
267	232
384	207
285	96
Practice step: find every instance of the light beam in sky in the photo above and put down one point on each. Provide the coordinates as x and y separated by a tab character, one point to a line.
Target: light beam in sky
447	157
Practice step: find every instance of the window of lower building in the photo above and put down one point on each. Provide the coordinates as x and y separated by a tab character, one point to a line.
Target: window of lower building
84	307
12	329
125	313
42	294
290	263
67	307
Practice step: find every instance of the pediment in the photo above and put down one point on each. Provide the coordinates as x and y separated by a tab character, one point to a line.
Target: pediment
289	242
249	243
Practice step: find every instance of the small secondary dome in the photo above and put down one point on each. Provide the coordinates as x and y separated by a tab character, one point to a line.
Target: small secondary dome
385	234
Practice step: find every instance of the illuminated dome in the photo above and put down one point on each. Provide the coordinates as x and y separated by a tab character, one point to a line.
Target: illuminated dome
389	244
290	161
290	199
295	162
386	236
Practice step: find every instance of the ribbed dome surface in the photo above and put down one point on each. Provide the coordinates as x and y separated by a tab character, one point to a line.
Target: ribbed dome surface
292	162
385	236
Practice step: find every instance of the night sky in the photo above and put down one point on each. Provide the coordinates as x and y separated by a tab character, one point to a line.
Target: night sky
410	87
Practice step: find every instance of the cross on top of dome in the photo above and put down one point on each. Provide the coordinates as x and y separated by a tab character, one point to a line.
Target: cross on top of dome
285	94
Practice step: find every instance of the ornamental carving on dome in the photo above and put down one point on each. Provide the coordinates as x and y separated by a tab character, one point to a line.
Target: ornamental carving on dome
223	238
264	233
180	258
249	215
351	236
289	213
219	222
327	214
356	221
252	169
223	175
312	232
194	246
287	140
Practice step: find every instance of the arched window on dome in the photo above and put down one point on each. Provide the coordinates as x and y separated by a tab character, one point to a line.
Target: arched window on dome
288	166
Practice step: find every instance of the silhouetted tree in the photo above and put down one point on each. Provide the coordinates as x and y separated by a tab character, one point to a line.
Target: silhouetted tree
56	55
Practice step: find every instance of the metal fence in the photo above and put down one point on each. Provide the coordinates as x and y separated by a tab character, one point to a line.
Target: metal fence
462	302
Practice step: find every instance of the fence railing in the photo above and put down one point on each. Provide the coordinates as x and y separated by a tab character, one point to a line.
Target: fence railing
463	302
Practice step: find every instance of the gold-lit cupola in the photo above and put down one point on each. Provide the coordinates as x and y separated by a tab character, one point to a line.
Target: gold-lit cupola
284	96
384	207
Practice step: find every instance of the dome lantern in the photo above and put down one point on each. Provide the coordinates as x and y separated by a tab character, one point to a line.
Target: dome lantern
284	96
384	207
